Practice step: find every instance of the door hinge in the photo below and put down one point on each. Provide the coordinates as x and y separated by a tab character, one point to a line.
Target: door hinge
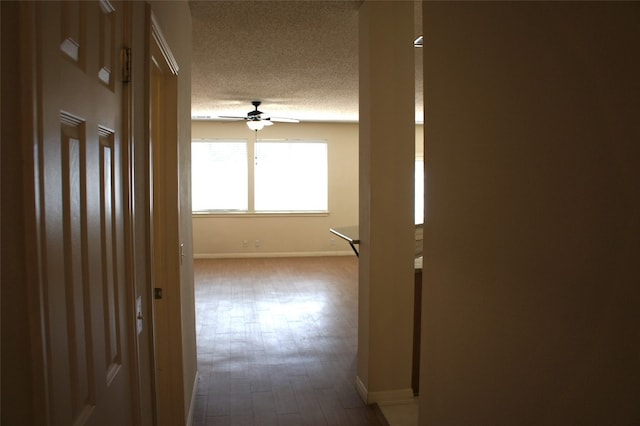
126	64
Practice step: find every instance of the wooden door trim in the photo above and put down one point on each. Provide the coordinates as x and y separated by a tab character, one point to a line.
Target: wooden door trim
162	43
158	244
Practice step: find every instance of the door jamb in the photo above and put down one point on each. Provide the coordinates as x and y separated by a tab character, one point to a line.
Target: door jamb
155	40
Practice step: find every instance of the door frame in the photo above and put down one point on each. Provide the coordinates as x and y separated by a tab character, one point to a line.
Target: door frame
162	210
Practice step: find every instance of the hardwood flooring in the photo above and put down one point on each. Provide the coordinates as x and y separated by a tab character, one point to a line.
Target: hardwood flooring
277	342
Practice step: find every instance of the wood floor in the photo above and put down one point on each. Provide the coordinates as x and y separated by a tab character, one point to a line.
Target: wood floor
277	342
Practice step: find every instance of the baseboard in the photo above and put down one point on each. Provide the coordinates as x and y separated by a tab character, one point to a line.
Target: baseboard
396	396
362	390
272	254
389	397
192	405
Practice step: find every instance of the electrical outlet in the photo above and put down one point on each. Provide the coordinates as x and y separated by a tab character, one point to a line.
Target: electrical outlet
258	243
245	243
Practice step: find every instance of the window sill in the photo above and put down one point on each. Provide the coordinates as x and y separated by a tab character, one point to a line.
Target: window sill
258	214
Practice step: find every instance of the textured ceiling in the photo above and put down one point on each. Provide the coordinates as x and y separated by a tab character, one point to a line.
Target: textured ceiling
300	58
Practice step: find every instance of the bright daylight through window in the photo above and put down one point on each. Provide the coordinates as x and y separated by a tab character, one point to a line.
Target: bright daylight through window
289	176
219	176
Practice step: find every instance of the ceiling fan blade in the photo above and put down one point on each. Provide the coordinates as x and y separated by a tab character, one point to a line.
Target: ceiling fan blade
229	117
257	115
285	120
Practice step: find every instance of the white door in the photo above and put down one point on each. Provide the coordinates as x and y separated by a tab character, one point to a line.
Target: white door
86	303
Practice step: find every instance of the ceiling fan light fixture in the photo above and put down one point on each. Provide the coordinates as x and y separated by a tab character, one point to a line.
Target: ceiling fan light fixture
255	124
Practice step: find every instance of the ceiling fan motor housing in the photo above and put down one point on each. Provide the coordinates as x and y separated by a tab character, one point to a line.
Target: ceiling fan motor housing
255	113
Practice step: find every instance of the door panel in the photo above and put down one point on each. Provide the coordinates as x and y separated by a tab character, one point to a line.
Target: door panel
76	282
80	99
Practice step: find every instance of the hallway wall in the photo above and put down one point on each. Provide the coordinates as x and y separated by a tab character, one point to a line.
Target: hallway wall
530	294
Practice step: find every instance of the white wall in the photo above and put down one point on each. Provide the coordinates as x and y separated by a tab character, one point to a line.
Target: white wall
530	294
387	158
223	235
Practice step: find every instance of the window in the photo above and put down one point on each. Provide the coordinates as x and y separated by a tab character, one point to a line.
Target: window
291	176
288	176
219	176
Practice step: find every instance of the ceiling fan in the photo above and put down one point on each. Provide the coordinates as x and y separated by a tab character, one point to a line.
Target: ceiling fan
256	119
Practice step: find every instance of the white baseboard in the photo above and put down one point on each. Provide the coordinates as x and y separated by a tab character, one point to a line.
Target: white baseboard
272	254
388	397
192	405
362	390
